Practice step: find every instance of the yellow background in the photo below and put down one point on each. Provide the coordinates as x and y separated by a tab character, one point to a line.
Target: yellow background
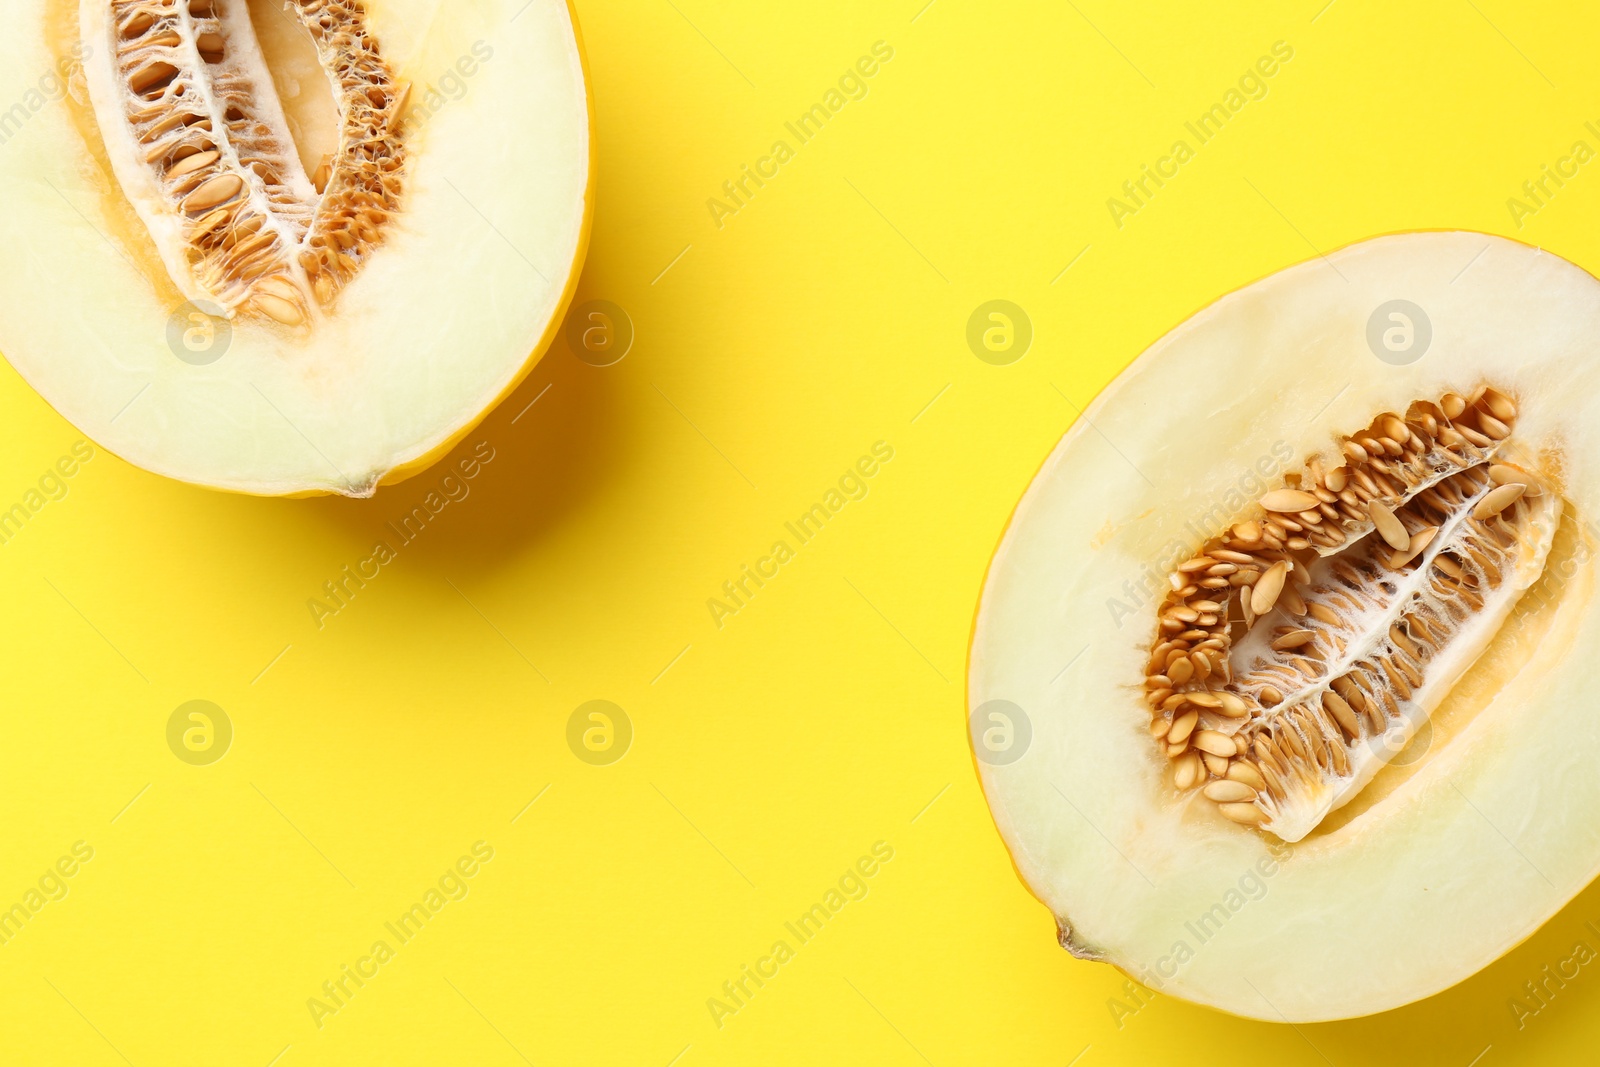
827	715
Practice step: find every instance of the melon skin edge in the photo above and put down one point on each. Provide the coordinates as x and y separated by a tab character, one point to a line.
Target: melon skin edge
1083	945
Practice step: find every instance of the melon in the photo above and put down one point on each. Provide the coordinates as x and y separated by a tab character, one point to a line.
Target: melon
1277	684
289	247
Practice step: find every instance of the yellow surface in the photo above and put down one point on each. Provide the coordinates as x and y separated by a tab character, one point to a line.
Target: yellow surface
770	753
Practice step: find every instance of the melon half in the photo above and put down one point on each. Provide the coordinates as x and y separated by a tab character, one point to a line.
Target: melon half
288	247
1279	683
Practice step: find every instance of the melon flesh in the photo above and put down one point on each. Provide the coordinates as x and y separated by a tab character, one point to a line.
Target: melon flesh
443	320
1486	826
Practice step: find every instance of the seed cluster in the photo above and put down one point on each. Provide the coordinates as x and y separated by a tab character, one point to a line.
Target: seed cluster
256	234
361	186
1256	734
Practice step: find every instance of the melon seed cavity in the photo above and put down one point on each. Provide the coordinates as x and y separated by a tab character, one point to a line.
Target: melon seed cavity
199	142
1298	652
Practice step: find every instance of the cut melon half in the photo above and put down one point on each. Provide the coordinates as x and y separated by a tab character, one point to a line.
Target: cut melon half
1278	686
289	247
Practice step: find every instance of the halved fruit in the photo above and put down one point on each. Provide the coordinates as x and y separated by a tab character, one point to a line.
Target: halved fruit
290	247
1279	683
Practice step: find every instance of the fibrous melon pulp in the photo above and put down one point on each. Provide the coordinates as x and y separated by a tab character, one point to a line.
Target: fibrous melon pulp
1294	627
288	246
